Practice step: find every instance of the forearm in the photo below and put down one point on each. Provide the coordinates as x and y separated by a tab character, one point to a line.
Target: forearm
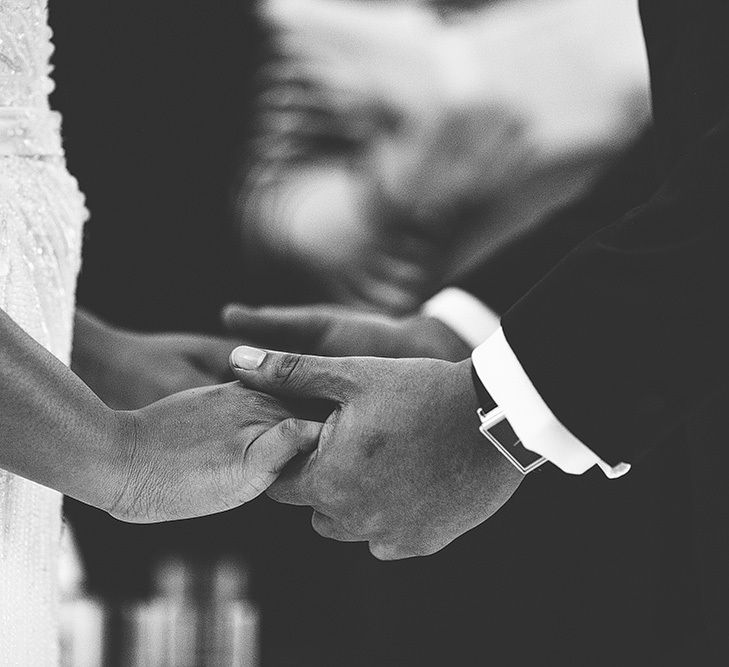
54	430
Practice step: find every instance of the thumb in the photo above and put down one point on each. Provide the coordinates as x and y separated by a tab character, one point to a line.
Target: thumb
294	375
289	328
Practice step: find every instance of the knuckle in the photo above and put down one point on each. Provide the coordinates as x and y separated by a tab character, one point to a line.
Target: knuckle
258	402
287	369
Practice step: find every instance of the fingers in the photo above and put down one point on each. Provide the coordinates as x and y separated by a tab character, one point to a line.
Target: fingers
375	293
291	487
290	438
296	484
332	530
268	455
388	552
294	375
395	550
383	550
296	328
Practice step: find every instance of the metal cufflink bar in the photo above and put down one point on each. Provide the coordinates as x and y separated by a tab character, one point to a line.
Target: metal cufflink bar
496	428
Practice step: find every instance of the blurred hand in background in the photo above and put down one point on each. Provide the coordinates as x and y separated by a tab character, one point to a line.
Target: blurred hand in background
367	146
386	133
336	331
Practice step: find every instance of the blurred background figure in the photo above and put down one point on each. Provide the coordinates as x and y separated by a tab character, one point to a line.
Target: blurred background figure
369	148
394	138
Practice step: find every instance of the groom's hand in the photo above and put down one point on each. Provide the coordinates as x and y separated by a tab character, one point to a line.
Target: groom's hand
333	331
401	463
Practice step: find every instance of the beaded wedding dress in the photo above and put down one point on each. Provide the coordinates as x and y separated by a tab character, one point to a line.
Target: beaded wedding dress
41	218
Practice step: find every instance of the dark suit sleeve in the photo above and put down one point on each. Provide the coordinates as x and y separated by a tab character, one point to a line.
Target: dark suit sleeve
628	334
508	276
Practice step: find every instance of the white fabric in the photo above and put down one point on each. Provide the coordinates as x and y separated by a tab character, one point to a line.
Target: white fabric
473	321
510	387
529	416
41	218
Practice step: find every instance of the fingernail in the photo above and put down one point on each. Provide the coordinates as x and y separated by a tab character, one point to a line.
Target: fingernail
247	358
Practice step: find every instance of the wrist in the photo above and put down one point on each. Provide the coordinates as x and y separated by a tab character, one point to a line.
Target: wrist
118	459
500	466
93	468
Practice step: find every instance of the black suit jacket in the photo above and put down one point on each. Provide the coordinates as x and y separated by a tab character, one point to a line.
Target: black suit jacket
618	311
626	336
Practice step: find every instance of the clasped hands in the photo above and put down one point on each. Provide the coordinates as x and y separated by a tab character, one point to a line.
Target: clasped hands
388	454
400	462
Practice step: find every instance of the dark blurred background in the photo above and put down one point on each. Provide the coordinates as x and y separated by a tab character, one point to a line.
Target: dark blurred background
157	102
156	98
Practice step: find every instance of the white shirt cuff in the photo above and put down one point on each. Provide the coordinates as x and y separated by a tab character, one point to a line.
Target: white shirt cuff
471	319
530	417
509	385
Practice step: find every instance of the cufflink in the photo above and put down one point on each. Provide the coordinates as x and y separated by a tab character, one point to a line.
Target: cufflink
496	428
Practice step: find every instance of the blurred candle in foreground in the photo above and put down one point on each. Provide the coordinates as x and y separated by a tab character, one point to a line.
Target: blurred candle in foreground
232	622
198	617
82	618
82	633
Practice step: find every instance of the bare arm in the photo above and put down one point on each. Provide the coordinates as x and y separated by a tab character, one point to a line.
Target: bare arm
198	452
54	430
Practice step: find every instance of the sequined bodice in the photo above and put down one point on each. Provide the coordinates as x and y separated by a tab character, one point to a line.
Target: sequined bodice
25	51
27	126
41	219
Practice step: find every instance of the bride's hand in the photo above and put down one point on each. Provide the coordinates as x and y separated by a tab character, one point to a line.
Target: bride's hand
201	452
129	370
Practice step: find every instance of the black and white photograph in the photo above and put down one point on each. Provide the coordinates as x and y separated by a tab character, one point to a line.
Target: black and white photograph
364	333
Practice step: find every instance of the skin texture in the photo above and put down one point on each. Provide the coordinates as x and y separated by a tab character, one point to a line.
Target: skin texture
400	462
205	451
202	451
337	332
